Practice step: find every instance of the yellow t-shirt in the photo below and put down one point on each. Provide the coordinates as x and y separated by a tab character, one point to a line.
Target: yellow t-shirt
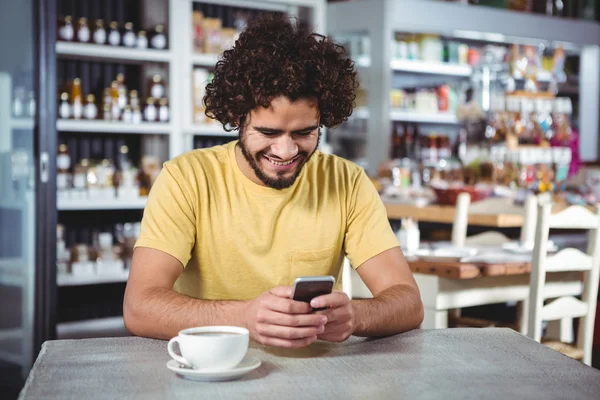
237	239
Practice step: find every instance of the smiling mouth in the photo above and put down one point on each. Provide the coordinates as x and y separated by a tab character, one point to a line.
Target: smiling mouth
282	163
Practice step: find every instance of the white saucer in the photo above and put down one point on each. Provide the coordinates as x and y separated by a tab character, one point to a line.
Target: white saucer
248	364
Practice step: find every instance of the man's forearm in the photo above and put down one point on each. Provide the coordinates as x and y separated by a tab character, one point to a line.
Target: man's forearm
395	310
161	313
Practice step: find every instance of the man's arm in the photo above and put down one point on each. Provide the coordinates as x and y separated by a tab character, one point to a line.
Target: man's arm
152	309
395	308
396	304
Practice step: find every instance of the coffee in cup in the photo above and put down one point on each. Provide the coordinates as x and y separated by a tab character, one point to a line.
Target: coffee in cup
210	348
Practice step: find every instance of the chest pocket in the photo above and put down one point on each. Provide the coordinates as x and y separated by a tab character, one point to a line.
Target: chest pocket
313	263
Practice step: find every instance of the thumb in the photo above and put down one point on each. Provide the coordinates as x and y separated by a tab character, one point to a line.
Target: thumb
284	292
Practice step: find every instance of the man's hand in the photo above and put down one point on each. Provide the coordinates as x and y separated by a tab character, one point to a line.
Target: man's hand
275	320
340	316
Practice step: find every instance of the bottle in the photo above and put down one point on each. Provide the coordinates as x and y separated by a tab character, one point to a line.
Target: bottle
64	110
127	115
142	40
150	110
67	32
99	36
107	112
163	110
159	40
77	99
80	176
157	87
134	100
63	166
114	104
122	97
91	110
121	81
107	97
83	31
136	118
31	107
397	137
19	102
129	39
114	37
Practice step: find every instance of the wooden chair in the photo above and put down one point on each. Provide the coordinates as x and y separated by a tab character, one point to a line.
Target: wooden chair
575	217
491	238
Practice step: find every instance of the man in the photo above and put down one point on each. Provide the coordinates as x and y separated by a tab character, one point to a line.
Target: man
227	230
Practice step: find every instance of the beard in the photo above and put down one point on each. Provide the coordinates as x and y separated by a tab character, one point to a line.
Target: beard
281	181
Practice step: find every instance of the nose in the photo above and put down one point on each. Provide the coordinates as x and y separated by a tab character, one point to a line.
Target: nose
284	147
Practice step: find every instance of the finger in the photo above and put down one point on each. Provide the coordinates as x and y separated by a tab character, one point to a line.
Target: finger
285	292
290	344
289	333
293	320
335	314
336	332
286	306
335	299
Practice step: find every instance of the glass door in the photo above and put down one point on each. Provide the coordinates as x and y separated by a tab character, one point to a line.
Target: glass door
25	180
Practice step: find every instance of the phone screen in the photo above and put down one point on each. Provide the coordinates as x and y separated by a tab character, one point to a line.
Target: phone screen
307	290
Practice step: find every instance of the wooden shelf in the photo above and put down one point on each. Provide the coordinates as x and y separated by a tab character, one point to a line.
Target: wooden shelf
75	280
101	204
102	52
96	126
205	60
433	68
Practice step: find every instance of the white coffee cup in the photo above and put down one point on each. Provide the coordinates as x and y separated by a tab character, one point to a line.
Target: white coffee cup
210	348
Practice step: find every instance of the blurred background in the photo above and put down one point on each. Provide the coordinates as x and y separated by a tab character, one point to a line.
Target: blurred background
96	94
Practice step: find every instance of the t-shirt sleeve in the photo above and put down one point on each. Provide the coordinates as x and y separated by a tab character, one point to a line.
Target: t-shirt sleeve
368	231
169	218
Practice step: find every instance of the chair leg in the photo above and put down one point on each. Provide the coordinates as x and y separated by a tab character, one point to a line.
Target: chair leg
522	315
561	329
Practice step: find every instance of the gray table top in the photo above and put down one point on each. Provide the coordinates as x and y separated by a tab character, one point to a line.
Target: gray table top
423	364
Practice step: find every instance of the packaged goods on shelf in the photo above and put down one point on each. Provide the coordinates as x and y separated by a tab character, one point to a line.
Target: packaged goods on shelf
200	77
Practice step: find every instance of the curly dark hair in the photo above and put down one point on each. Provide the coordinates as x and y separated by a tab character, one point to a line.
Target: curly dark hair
275	57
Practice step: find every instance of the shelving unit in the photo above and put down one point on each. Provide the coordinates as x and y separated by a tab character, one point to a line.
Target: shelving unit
411	116
180	59
380	20
96	126
435	68
74	280
91	204
98	52
22	123
102	327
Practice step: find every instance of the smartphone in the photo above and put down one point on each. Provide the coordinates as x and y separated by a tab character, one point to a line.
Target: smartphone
307	288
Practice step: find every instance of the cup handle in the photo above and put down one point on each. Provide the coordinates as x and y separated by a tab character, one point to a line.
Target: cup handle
176	356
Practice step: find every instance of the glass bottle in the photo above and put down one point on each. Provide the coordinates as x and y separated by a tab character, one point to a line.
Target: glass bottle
121	80
134	100
137	115
163	110
83	30
31	107
64	110
18	105
122	97
129	39
107	113
159	40
99	36
114	93
142	40
76	99
67	31
114	37
91	110
63	166
80	176
150	110
127	114
157	87
107	97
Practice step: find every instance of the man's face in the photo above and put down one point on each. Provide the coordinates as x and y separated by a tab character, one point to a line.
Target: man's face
277	141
